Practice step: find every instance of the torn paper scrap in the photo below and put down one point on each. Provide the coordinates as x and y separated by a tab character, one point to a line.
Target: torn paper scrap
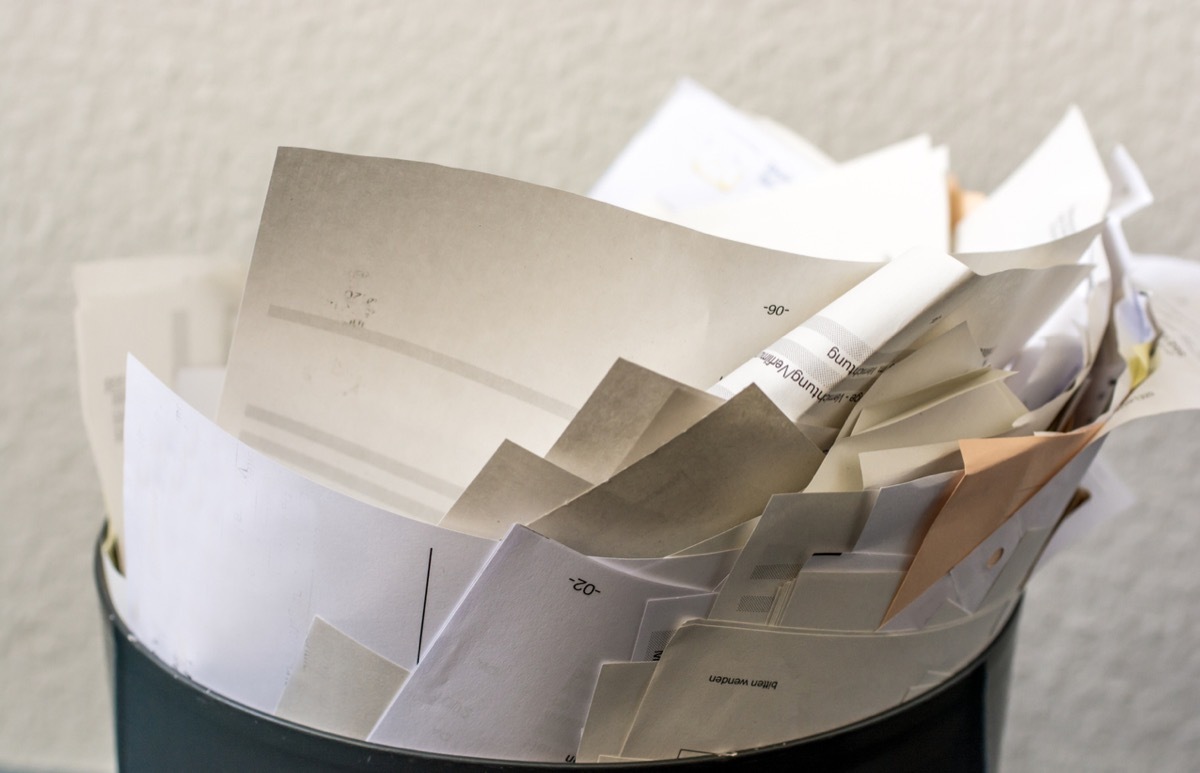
339	686
717	474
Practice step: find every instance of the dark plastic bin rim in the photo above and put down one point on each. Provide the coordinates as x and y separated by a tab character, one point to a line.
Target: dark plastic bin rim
122	630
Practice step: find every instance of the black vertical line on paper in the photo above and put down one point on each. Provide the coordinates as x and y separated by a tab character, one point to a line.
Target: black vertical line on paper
424	604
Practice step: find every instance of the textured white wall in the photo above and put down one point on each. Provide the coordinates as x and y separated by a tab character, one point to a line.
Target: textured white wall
133	127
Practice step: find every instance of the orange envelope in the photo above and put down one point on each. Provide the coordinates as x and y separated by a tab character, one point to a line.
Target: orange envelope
999	475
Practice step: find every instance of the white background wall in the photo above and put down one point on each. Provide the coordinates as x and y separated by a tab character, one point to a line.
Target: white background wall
131	127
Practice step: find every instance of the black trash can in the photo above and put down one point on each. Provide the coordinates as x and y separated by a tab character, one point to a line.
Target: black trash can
166	722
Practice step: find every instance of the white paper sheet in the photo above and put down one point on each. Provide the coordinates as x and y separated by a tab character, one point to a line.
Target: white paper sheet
512	673
618	692
891	308
1175	287
941	359
698	149
900	190
230	555
730	539
790	531
1038	280
663	617
602	435
981	406
891	466
1061	188
358	361
850	592
818	371
172	313
761	686
902	513
702	571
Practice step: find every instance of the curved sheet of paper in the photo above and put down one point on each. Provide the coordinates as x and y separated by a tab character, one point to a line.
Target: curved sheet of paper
515	486
982	406
628	410
900	190
230	555
756	686
698	149
400	320
511	675
1060	188
701	571
717	474
820	369
792	528
999	566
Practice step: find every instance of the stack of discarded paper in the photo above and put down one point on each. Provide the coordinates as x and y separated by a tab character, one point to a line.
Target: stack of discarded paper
505	472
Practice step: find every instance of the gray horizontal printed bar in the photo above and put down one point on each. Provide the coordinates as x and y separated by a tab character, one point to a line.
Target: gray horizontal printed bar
849	343
429	356
330	472
355	451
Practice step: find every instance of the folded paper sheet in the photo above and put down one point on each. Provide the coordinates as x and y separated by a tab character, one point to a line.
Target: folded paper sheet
632	412
511	675
819	370
843	593
339	685
231	555
712	477
515	486
999	565
902	514
695	570
1000	475
663	617
757	686
791	530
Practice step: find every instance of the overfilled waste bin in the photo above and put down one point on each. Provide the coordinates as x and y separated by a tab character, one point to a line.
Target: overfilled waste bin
165	721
